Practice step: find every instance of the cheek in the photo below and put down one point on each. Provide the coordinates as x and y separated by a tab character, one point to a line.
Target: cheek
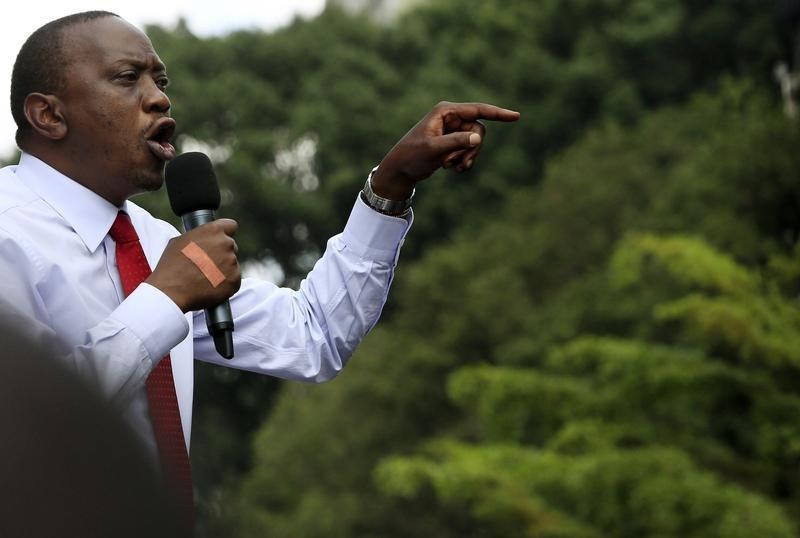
119	131
115	115
109	121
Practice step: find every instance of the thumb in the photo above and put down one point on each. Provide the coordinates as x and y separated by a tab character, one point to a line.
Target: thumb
455	141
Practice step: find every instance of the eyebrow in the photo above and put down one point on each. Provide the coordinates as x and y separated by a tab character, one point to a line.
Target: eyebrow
139	63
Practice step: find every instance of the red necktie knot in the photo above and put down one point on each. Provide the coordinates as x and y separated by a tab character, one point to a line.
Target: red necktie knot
122	230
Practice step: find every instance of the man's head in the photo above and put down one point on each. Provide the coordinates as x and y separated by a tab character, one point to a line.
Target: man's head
88	98
40	65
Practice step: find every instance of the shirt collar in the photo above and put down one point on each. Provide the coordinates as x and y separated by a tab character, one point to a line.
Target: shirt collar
89	214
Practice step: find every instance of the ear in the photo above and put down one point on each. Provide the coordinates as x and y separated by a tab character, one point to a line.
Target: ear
45	115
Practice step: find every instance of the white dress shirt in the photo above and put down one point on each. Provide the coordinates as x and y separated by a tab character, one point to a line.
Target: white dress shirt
58	275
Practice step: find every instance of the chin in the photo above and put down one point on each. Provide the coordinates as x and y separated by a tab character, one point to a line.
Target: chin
153	186
149	182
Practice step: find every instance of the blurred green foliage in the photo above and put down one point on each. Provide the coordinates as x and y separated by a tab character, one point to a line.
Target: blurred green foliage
595	332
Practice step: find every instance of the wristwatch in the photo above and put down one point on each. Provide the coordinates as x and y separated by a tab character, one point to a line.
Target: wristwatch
395	208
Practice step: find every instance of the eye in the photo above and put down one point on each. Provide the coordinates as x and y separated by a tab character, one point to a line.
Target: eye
128	76
162	82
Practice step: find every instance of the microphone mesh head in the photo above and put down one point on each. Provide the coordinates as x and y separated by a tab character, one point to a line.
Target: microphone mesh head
191	183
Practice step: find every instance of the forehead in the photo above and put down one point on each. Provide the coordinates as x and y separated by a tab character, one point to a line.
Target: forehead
105	41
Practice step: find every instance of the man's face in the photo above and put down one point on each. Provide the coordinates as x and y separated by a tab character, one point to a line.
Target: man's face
116	111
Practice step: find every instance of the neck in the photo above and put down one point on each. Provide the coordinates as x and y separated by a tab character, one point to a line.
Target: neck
59	161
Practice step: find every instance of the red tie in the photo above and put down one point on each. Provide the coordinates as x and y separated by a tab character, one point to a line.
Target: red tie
163	402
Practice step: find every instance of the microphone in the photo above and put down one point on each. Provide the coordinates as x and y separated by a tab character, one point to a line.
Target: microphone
194	196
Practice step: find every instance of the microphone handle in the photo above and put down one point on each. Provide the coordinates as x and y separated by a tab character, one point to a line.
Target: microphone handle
219	319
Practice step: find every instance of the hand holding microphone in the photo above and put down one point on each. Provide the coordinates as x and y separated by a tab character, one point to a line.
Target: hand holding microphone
199	269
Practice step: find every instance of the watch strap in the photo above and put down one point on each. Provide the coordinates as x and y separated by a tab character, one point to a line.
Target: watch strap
395	208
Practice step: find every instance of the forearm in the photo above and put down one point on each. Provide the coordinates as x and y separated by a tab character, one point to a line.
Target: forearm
310	334
117	354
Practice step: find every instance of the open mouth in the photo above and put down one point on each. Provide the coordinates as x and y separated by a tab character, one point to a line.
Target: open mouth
159	139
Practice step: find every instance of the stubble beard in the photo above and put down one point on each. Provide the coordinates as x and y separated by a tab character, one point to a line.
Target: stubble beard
149	181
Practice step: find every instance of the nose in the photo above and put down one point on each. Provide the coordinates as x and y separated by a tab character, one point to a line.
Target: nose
155	99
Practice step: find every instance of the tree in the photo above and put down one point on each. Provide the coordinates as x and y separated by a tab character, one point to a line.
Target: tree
537	395
294	128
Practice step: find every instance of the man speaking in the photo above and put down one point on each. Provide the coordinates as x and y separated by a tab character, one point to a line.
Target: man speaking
117	293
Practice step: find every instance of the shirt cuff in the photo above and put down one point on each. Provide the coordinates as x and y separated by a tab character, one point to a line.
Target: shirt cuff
373	235
153	318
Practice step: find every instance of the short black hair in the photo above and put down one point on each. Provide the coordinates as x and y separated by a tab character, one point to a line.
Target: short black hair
39	66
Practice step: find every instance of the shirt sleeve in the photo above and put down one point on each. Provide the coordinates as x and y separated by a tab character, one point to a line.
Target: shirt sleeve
117	353
309	334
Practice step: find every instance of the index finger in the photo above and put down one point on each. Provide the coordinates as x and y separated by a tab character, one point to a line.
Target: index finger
482	111
229	226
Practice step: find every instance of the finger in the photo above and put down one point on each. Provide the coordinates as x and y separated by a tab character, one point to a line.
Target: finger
453	158
228	226
453	142
468	160
469	157
452	122
463	159
478	111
